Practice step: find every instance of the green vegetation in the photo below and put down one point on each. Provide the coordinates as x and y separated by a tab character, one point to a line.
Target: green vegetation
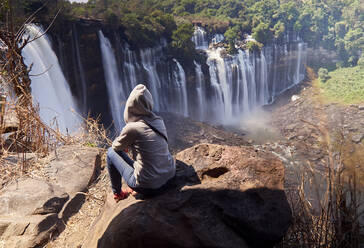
323	74
346	85
254	46
182	45
334	24
232	35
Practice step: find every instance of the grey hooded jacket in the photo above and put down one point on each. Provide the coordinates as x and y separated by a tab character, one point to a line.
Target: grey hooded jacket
154	164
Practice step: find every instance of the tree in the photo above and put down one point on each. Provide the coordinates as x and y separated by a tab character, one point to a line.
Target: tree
231	35
262	33
279	30
182	45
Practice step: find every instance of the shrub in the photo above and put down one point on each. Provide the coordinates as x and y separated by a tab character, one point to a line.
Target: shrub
254	46
323	74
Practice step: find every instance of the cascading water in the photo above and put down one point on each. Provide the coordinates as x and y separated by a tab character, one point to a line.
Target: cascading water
130	66
263	86
240	82
180	80
217	38
199	38
200	91
117	97
148	62
81	71
235	84
48	84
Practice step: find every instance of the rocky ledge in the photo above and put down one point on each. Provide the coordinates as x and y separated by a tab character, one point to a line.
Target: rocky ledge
33	209
222	196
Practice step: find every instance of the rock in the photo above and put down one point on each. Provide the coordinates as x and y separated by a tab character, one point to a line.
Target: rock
294	98
291	127
361	107
221	197
31	210
357	137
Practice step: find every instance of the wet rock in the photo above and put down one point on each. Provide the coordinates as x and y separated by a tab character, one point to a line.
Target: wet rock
221	197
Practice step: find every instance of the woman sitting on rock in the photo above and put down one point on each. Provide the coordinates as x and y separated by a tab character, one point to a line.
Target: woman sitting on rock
145	133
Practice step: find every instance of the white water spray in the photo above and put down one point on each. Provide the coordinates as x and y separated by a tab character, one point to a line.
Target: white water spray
48	85
117	98
181	82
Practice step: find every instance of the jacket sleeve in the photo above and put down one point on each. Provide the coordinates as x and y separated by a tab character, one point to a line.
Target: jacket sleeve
125	139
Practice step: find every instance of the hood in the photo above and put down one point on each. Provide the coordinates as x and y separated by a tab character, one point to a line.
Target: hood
139	106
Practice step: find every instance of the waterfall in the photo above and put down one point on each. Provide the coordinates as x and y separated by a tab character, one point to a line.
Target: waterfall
49	87
117	98
180	80
200	91
215	98
217	38
263	92
199	38
240	82
81	71
243	79
232	86
130	65
149	63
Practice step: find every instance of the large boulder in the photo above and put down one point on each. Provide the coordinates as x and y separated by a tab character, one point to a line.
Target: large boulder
221	197
33	209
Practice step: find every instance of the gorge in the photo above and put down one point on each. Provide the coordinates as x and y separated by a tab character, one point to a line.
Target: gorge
101	70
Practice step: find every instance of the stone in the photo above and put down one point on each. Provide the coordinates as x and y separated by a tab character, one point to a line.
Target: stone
361	107
31	210
357	138
221	197
295	97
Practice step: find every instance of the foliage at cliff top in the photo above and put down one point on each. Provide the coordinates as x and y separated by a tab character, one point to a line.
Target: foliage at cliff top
345	85
334	24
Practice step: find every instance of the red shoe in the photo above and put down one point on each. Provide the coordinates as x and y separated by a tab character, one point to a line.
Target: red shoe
121	196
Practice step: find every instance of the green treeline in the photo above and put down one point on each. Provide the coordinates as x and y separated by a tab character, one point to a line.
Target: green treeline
334	24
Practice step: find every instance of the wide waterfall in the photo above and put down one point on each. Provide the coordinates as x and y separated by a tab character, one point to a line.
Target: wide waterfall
247	80
48	85
220	90
234	86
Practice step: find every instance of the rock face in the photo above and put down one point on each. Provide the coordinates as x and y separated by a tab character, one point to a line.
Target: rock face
221	197
31	209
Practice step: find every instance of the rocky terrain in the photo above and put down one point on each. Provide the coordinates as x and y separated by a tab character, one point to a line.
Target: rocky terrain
222	196
222	174
37	206
303	119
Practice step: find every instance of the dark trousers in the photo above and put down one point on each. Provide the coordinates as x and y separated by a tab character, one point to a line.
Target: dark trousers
119	165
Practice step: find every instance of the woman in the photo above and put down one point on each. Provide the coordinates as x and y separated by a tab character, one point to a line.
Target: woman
145	133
